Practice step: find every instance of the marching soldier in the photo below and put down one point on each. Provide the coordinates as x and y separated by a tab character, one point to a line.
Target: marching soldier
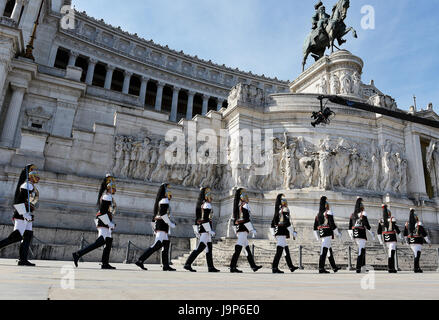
324	230
282	229
243	226
416	236
388	229
104	223
203	230
161	223
25	203
358	225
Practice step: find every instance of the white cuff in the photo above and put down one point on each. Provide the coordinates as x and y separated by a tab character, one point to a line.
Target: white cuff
351	234
196	230
207	227
272	231
166	219
291	231
250	227
317	235
105	219
21	209
427	239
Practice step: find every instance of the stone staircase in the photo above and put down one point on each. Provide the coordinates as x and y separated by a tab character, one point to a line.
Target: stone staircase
264	251
59	244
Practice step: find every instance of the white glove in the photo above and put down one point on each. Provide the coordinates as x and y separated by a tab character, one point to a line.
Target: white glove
27	217
272	231
427	239
351	234
380	238
295	235
106	220
254	233
317	235
372	234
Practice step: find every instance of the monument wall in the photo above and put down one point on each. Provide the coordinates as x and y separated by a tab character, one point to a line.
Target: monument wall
76	131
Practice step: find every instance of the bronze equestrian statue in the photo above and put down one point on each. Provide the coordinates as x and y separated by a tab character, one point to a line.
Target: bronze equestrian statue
326	29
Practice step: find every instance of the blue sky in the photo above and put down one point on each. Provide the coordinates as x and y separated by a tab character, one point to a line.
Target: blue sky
266	37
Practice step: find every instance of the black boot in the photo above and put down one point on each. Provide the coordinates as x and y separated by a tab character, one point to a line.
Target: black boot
106	255
322	261
209	258
332	261
251	260
13	238
165	256
360	261
24	249
147	254
276	260
288	259
98	243
392	262
235	258
417	263
193	256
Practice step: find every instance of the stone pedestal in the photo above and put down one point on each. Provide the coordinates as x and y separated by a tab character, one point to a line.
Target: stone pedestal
31	148
338	74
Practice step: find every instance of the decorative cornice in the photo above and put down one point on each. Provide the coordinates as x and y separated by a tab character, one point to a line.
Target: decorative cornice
165	49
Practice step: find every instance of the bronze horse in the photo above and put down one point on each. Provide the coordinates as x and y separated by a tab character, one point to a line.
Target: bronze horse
323	37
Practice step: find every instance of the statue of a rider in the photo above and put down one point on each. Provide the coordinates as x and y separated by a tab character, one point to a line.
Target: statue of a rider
320	18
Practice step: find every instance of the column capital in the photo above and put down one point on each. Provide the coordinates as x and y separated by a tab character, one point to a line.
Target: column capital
128	73
18	87
205	96
191	93
161	84
175	88
145	79
92	61
110	67
74	54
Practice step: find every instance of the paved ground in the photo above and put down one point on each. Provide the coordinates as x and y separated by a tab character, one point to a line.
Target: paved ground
49	280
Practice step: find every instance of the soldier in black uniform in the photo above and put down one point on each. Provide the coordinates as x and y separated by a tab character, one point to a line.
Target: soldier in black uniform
324	230
161	224
243	226
203	230
358	225
416	236
25	202
104	223
282	229
388	229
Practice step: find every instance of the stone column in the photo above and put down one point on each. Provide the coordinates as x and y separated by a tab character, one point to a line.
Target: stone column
220	102
190	105
90	71
72	58
205	105
159	96
416	186
2	7
143	88
109	76
13	114
174	104
17	10
126	82
7	52
52	56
